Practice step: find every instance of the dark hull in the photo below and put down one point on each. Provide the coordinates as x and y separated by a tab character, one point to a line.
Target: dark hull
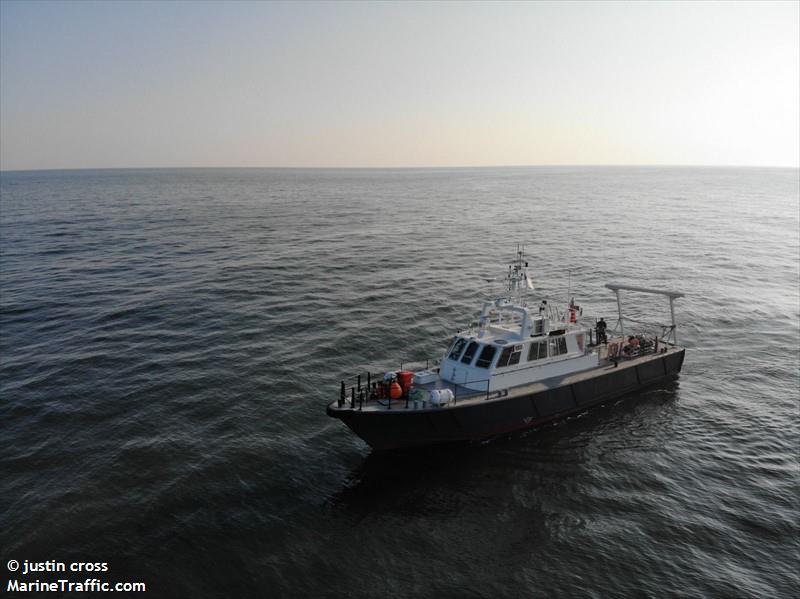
476	421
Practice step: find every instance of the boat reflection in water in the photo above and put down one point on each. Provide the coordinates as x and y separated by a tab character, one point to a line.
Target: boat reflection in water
442	479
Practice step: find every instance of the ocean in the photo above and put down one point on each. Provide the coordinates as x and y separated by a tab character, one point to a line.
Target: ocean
169	340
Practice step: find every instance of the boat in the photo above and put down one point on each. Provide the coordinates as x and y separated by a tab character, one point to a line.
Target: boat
520	365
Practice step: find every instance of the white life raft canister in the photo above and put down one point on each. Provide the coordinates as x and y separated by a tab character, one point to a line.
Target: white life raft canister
441	397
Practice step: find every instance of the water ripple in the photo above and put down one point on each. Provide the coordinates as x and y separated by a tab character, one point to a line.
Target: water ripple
169	340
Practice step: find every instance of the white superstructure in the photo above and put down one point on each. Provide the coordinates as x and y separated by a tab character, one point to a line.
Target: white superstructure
514	344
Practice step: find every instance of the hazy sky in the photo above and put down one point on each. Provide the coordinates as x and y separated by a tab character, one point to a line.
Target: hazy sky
398	84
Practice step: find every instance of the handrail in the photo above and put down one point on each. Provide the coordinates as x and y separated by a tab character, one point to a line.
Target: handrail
455	387
361	393
429	363
650	346
371	380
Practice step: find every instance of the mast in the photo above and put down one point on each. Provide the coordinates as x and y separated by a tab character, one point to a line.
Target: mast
518	280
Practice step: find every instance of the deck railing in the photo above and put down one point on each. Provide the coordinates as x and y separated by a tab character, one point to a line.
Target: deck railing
362	386
361	394
465	383
647	345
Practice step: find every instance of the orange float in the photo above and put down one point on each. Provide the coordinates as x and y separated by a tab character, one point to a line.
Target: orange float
395	390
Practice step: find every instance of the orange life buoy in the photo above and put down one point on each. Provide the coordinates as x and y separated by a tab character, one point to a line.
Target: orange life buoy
395	390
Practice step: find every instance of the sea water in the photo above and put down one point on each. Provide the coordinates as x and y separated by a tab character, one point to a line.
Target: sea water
169	340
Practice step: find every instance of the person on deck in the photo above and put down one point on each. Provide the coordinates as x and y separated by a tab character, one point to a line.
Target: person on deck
601	332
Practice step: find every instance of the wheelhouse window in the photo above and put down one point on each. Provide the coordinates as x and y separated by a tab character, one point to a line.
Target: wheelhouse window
509	356
470	353
486	357
538	351
457	349
558	345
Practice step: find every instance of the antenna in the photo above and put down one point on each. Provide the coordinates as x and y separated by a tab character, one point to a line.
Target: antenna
569	282
518	279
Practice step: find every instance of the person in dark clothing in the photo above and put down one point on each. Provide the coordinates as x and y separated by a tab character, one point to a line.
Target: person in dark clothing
601	332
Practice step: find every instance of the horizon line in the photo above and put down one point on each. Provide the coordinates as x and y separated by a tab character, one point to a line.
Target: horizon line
421	167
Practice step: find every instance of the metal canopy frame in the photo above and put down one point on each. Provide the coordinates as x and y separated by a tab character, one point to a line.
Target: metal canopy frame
672	295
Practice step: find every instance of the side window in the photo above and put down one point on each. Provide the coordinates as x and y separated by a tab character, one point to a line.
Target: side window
457	349
504	356
470	353
538	351
558	346
485	359
509	356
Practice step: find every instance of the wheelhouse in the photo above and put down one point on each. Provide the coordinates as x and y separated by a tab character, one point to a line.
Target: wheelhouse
489	358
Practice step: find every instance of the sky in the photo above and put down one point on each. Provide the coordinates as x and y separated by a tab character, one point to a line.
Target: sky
398	84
